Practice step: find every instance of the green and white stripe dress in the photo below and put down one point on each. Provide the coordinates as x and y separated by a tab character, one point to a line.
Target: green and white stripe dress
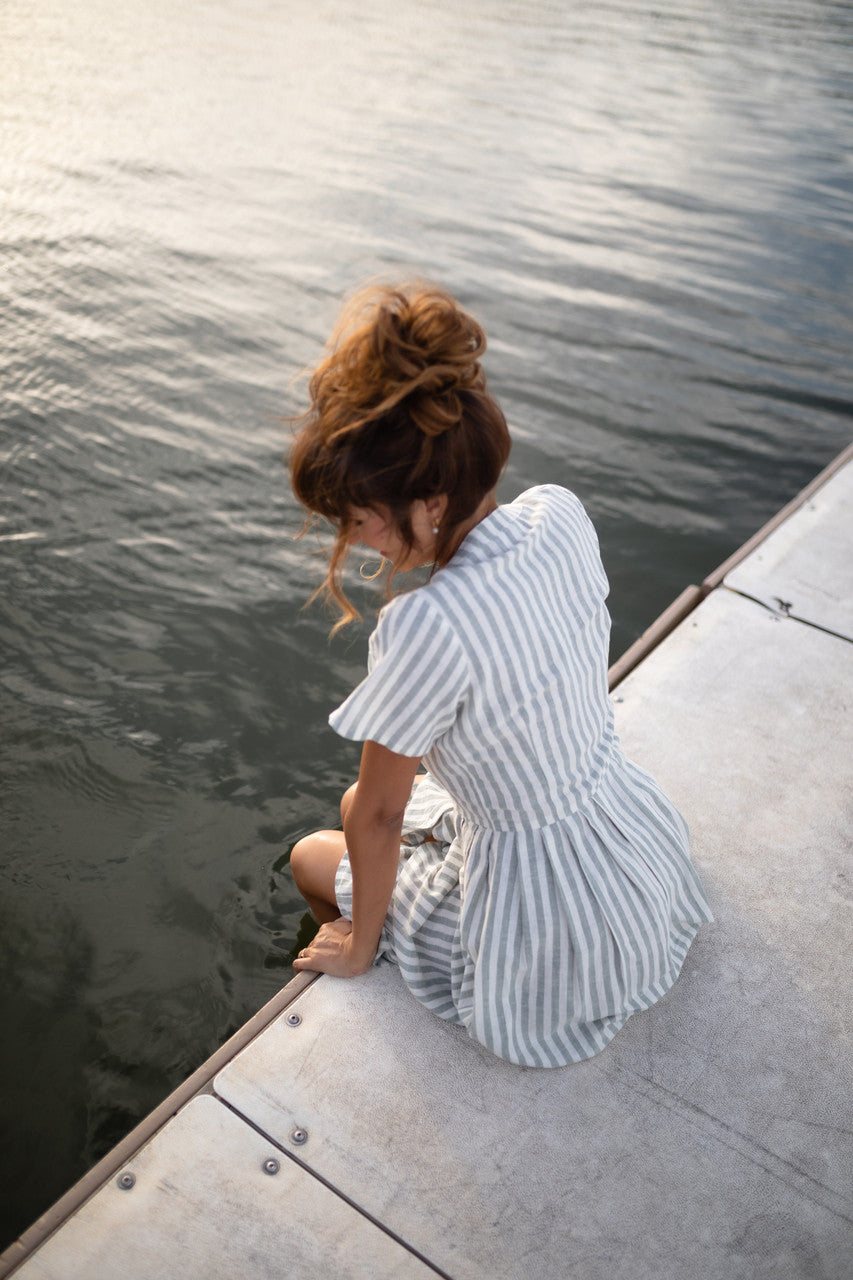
545	890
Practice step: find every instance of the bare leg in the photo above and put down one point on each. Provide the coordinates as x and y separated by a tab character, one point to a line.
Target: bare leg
314	862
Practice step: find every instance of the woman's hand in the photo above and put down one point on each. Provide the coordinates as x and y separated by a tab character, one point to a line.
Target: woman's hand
331	952
372	827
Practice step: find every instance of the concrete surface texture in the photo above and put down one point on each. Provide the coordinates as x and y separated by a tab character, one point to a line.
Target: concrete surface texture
710	1140
805	567
211	1197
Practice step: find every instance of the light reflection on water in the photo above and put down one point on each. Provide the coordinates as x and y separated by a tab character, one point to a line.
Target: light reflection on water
650	211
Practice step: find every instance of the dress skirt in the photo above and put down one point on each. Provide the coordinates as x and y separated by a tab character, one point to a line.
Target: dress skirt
542	942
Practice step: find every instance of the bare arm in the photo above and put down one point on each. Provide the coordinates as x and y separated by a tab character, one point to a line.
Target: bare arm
372	827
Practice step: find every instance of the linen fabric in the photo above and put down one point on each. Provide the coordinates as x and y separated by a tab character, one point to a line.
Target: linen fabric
545	890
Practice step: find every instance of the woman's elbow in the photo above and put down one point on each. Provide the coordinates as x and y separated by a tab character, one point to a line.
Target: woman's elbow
373	823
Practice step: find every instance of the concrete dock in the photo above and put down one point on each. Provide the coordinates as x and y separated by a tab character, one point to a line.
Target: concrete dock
346	1132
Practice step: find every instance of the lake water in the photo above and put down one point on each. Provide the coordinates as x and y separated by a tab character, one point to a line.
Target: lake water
649	208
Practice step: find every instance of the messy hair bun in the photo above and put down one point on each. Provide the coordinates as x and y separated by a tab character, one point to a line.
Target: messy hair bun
393	347
399	411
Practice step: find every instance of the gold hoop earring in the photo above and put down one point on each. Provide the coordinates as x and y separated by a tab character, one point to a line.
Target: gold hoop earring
370	577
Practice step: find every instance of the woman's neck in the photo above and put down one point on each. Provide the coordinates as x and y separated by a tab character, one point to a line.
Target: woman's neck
485	508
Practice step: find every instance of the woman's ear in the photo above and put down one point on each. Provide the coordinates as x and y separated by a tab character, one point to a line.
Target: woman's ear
435	507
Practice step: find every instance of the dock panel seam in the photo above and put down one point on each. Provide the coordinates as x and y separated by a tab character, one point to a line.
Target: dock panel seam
330	1186
784	611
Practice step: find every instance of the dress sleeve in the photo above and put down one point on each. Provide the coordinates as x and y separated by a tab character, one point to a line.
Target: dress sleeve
416	681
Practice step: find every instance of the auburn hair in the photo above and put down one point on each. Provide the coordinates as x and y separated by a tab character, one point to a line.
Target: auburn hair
399	411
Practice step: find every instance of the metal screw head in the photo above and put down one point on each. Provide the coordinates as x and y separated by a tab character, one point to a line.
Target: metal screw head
293	1019
125	1181
271	1166
299	1137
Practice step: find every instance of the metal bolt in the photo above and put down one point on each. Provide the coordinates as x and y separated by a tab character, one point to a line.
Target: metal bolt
271	1166
293	1019
299	1137
125	1181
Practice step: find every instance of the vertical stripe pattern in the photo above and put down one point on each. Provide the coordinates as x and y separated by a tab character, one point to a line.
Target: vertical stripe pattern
545	890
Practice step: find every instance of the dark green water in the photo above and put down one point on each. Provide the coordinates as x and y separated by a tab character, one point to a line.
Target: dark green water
651	212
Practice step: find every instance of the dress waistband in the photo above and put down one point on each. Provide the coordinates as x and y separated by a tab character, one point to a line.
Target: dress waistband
542	811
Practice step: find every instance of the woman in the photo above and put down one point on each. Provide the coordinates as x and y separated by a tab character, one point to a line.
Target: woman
535	886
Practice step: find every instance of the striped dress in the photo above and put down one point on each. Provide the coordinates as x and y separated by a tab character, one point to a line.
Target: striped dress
545	890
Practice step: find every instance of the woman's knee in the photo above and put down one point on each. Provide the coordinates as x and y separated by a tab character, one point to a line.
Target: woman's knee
314	861
300	859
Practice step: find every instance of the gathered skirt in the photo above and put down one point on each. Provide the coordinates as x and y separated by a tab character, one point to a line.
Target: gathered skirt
542	942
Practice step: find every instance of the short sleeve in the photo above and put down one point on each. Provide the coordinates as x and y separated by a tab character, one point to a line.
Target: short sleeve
416	681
